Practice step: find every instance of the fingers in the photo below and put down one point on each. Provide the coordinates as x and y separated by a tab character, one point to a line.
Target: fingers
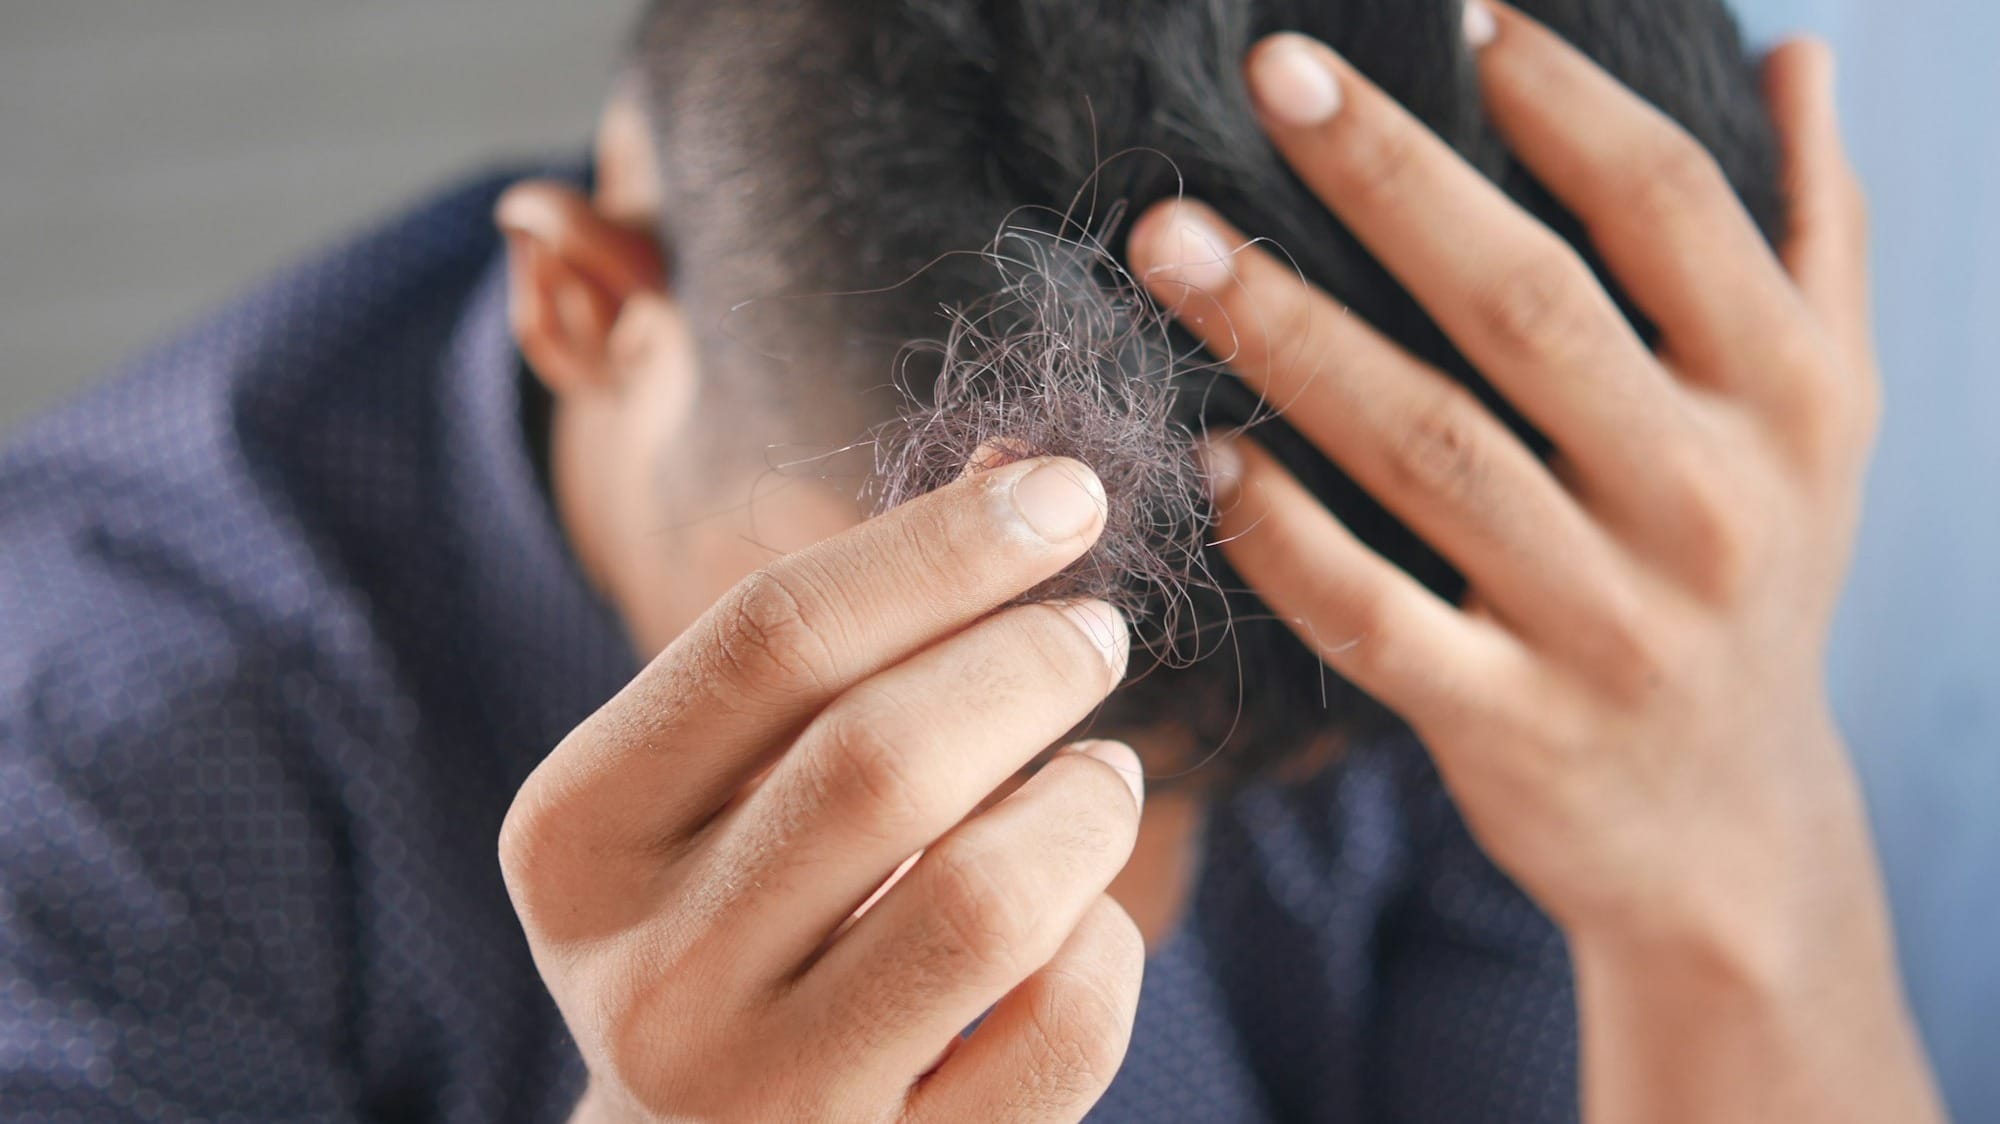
663	756
1655	203
896	762
1049	1049
1367	619
1417	440
1516	299
1826	244
986	906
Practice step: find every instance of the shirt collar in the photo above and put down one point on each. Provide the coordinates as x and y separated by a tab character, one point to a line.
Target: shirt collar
552	650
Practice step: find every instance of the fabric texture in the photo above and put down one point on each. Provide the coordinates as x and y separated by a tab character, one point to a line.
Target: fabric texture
287	621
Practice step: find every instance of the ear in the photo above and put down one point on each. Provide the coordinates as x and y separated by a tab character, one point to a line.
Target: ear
573	275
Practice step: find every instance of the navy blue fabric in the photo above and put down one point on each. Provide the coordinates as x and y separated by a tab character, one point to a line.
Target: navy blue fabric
287	620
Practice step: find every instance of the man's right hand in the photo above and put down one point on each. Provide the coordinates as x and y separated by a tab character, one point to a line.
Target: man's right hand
691	864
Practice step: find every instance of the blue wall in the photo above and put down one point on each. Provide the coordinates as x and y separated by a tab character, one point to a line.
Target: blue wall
1917	662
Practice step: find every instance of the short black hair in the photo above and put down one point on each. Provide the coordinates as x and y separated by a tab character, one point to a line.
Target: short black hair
838	145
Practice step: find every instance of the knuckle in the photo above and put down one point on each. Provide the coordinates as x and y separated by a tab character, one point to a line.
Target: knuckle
1628	641
1438	451
1271	326
530	847
1826	427
1551	732
1110	958
558	845
523	878
1371	617
1103	820
659	1034
633	1045
1076	1039
1556	770
981	918
1363	645
1539	310
1124	946
1676	178
521	832
925	544
863	760
650	1043
1351	626
1633	652
774	628
1723	556
1820	406
1369	653
1707	522
1377	164
1803	359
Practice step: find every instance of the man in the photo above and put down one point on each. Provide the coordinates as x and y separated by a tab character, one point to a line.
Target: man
304	607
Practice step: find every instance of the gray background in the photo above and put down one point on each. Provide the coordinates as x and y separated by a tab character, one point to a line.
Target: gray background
157	154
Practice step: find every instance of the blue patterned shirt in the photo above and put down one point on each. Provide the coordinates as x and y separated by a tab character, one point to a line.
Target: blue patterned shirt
287	619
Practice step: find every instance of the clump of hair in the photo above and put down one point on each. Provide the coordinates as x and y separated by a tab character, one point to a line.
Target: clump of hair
1064	356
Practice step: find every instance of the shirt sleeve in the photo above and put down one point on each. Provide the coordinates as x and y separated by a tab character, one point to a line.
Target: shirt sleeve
1475	1015
172	922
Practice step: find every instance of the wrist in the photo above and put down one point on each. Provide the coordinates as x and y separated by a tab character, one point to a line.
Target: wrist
1720	1022
1765	895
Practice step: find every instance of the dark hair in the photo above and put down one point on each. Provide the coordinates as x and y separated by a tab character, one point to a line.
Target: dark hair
817	146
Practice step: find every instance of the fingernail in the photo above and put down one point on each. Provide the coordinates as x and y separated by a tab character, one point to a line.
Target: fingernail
1291	82
1060	500
1119	756
1192	254
1223	466
1480	27
1103	626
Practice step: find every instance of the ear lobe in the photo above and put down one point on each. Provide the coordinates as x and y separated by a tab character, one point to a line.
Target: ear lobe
571	273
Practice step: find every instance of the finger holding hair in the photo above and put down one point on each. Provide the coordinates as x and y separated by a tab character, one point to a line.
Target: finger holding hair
672	750
895	762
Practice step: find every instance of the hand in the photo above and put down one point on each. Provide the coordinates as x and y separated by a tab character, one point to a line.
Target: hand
691	864
1630	707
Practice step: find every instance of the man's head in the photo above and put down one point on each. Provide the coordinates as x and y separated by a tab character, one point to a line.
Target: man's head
785	189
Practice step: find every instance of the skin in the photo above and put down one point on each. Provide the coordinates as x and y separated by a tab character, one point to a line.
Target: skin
715	871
